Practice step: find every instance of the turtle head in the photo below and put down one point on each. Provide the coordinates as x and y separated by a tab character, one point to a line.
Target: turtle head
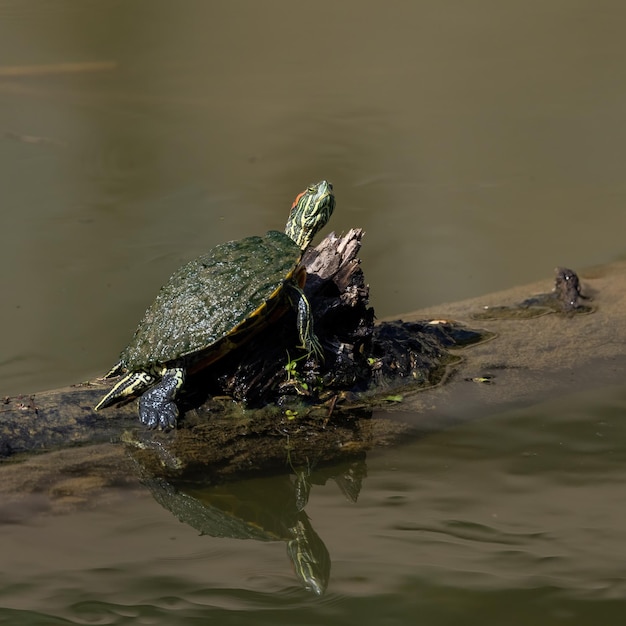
310	211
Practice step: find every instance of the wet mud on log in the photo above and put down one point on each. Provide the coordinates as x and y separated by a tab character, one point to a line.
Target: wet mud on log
533	359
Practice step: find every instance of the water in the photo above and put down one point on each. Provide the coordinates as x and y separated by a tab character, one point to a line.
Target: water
478	144
516	517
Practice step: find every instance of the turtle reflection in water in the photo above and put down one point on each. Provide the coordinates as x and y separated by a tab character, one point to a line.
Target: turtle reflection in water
217	302
264	509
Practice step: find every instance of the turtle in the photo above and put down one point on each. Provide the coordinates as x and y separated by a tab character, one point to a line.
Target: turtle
214	304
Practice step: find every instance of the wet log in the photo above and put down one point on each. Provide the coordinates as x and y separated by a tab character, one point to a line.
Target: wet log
531	358
286	407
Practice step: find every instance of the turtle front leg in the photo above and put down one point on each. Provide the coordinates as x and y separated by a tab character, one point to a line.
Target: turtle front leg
156	406
304	321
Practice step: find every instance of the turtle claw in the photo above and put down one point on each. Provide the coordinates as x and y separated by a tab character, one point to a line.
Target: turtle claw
157	408
162	415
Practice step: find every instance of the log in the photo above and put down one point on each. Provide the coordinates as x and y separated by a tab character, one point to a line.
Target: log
529	360
219	438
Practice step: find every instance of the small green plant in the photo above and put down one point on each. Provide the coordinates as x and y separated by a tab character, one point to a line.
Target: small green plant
292	367
394	398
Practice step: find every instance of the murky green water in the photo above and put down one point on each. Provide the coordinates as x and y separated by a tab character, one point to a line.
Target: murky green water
478	144
515	518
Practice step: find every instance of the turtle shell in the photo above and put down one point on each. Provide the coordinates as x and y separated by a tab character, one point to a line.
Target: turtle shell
213	303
